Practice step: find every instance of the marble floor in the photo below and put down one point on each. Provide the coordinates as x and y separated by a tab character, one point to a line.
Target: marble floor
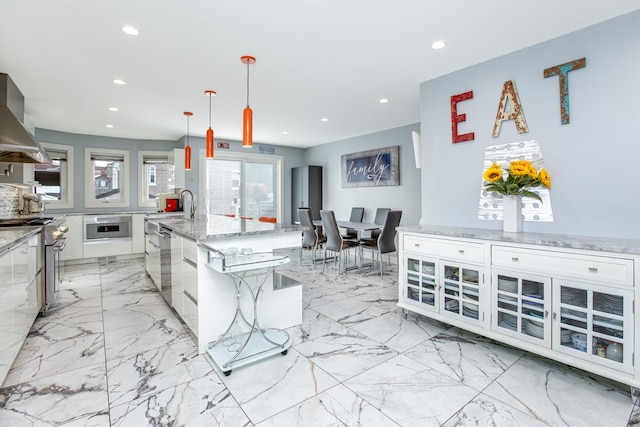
113	354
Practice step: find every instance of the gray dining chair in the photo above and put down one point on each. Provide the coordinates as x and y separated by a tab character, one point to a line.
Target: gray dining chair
310	238
356	216
385	243
381	214
335	242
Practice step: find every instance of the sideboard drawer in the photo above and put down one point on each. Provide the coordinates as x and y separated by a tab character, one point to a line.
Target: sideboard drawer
441	248
607	270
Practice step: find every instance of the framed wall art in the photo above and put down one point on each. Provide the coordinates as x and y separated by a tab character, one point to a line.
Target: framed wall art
372	168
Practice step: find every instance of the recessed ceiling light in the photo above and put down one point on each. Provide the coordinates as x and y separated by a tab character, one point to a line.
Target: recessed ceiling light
383	100
284	132
118	81
113	109
132	31
109	126
438	44
324	119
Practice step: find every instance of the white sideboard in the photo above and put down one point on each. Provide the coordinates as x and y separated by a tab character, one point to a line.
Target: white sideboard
568	298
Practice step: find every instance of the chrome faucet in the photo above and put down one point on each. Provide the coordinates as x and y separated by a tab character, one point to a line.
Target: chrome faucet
192	212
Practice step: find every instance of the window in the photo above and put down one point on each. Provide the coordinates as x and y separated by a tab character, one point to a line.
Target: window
54	184
156	176
243	185
107	169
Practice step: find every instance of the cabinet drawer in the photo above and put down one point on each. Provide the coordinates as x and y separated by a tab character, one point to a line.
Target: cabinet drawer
190	250
190	279
469	252
607	270
190	313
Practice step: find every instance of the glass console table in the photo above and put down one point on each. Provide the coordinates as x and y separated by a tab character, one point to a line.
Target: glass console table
236	346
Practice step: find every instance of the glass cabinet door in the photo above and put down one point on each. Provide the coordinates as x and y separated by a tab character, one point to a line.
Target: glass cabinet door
521	306
461	296
594	323
421	282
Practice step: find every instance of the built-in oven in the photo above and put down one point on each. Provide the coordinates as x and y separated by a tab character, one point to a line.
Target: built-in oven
100	227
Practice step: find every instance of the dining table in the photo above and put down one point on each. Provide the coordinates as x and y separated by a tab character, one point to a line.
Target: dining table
359	227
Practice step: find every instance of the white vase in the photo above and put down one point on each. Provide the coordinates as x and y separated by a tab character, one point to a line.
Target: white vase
512	214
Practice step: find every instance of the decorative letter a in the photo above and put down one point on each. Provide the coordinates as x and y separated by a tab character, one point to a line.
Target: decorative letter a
510	94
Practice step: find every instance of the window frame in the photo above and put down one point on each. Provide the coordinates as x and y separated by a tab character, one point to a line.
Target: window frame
90	189
66	176
143	176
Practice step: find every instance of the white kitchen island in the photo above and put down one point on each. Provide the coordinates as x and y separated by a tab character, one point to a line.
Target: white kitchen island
279	303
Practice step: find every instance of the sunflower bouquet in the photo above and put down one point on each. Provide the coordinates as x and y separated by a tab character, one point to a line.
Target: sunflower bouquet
521	176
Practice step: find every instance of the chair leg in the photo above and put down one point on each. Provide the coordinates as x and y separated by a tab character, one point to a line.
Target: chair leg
324	259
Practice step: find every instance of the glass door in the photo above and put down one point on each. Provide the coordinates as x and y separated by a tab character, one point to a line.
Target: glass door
594	323
243	186
521	306
462	290
421	282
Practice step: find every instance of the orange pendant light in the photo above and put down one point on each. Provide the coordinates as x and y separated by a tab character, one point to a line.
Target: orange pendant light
247	118
187	149
209	144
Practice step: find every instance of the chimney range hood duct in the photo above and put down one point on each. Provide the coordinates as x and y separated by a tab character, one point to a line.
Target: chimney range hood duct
16	143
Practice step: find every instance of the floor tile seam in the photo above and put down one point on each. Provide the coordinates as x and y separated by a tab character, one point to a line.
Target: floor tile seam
364	399
53	374
316	367
129	326
495	380
104	348
161	345
162	388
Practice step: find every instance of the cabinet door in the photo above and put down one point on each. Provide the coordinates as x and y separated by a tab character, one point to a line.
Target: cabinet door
75	245
176	273
420	283
462	290
521	305
20	290
594	323
10	345
152	260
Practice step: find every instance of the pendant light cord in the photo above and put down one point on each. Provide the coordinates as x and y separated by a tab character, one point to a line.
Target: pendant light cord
247	83
210	95
187	130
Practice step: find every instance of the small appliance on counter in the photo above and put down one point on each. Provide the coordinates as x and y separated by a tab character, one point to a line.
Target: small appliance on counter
32	203
169	202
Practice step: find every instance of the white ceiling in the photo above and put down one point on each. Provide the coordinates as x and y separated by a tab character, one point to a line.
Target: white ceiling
329	58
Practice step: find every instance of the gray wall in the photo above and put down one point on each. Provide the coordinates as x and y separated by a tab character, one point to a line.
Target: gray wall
405	197
592	160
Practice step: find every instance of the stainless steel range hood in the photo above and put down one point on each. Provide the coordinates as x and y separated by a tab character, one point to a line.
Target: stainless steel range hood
16	143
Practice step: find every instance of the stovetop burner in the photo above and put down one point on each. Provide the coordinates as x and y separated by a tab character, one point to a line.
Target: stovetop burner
17	222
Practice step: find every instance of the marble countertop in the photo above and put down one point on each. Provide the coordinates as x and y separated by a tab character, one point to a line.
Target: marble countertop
10	236
603	244
217	226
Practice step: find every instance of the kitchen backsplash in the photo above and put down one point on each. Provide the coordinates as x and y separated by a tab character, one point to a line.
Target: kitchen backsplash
9	200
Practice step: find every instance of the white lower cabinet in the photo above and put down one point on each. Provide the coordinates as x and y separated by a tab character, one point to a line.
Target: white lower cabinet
152	259
572	305
19	281
452	288
184	280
